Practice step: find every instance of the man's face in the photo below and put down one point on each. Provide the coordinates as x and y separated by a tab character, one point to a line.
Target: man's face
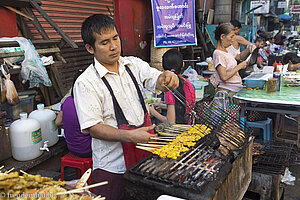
107	47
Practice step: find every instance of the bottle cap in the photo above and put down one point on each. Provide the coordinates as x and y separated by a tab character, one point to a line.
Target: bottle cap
40	106
23	115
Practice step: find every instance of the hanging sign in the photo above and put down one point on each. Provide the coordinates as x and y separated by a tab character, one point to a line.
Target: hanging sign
262	10
174	23
281	4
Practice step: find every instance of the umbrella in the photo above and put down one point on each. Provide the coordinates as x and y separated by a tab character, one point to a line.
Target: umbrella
285	17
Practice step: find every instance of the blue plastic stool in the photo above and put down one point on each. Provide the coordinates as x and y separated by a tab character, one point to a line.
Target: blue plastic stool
266	127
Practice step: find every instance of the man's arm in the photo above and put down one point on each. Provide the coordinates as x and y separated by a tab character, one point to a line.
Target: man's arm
293	67
106	132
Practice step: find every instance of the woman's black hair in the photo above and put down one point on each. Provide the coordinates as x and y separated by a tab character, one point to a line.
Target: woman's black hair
236	23
77	74
172	60
97	23
291	57
224	28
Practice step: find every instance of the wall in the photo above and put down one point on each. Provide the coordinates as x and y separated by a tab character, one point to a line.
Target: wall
134	22
68	15
8	23
209	4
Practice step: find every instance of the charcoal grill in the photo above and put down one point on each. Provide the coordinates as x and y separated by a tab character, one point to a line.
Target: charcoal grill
218	167
273	157
269	162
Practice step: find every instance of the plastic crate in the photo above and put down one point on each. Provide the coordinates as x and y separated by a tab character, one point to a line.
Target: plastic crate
25	105
255	84
199	89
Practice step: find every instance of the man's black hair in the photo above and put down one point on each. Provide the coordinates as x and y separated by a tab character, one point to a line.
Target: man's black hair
291	57
236	23
172	60
259	39
97	23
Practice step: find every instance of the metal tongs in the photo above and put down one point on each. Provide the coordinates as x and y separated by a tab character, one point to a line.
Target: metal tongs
182	99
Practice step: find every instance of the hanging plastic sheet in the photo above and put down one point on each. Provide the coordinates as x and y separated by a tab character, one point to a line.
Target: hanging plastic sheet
32	69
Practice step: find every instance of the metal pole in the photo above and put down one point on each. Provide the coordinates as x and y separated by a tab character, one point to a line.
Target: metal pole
203	16
253	28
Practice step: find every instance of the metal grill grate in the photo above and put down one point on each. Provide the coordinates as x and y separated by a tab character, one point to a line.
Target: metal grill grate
231	132
192	169
201	163
272	157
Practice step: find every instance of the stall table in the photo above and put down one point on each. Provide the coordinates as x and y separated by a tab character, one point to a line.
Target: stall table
286	101
55	150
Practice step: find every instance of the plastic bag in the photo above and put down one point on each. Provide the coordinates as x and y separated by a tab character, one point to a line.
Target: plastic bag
3	90
223	107
191	74
32	67
11	92
12	96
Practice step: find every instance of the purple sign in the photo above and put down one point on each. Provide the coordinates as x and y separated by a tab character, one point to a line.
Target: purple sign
174	23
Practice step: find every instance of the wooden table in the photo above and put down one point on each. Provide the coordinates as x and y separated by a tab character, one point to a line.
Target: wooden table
286	101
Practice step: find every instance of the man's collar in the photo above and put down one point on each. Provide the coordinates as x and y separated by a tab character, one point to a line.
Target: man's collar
103	70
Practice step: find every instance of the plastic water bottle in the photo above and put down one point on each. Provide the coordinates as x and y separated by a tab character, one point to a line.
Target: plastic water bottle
25	138
46	117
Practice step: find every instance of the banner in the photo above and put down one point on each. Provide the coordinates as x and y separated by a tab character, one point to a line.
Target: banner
262	10
174	23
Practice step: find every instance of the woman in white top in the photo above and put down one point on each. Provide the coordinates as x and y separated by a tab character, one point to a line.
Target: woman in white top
237	39
225	60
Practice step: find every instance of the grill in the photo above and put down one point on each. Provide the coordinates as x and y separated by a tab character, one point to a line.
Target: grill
271	157
217	167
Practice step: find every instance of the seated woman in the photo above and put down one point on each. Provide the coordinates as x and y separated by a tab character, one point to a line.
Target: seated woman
176	111
225	60
78	143
293	60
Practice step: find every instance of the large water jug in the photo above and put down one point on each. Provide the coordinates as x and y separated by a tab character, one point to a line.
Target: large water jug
25	138
46	117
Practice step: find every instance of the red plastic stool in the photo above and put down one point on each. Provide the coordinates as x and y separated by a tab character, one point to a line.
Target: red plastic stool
82	164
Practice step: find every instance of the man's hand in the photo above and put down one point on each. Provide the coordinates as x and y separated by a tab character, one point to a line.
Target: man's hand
169	79
140	135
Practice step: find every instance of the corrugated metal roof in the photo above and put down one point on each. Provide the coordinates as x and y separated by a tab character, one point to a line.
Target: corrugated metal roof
68	15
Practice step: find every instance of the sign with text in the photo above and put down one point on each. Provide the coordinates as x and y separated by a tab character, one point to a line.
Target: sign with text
282	4
174	23
295	9
262	10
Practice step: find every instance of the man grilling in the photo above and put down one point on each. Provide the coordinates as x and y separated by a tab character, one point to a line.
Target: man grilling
110	103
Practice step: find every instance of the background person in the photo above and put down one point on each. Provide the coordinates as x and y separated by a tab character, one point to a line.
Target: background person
292	60
237	40
78	143
176	112
110	103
